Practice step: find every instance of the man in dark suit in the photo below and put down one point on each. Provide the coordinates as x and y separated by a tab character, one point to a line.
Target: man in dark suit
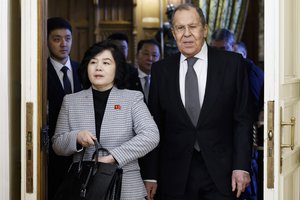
203	114
62	79
148	52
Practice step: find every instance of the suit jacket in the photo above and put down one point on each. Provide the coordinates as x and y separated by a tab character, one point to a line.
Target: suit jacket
223	130
58	165
256	83
56	92
128	131
134	82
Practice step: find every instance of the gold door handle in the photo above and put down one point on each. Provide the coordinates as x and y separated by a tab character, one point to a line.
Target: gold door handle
270	144
292	124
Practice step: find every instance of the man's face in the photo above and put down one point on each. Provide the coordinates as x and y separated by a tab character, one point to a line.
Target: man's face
59	44
147	55
188	32
221	44
122	45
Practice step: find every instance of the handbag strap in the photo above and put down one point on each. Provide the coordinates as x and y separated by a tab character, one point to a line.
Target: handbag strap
97	145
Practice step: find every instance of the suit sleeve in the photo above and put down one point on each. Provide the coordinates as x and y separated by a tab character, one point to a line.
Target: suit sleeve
243	118
150	163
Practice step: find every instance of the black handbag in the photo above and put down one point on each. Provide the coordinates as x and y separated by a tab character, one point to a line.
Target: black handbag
91	180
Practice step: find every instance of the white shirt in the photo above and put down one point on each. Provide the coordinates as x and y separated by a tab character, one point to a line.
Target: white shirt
142	76
57	66
200	68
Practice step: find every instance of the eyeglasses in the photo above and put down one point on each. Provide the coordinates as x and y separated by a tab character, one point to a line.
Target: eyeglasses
190	27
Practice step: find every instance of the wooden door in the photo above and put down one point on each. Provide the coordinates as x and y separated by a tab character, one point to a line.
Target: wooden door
282	100
81	15
42	137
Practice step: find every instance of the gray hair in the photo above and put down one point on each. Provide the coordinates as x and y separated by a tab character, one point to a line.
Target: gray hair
188	6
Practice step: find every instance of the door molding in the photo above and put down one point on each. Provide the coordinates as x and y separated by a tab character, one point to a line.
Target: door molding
29	90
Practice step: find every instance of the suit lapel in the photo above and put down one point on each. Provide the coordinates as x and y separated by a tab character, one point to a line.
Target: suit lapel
76	82
53	78
172	72
213	85
88	108
113	104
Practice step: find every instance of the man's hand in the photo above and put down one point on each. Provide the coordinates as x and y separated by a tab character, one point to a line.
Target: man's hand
239	181
151	189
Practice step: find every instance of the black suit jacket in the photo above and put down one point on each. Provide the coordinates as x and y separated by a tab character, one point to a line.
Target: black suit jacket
224	127
56	92
134	82
58	165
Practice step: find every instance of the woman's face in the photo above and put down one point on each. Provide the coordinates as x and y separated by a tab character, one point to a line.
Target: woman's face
102	70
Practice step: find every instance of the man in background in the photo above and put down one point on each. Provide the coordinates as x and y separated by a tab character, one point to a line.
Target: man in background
148	52
121	41
62	79
224	39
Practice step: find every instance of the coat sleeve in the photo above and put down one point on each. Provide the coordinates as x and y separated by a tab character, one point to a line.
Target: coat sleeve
64	140
146	138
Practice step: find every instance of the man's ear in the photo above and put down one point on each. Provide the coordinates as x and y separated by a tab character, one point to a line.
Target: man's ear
173	34
205	30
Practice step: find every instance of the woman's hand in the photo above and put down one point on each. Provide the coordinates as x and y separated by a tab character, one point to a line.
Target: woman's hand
86	138
107	159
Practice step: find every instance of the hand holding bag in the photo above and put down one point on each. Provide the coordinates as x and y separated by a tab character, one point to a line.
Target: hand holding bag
91	180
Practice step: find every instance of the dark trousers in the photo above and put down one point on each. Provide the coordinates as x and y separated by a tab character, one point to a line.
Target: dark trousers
200	186
57	169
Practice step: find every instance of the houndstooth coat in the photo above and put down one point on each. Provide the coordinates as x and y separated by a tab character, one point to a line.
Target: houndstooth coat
127	131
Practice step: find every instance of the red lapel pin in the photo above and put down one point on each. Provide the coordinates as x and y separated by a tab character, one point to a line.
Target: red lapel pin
117	107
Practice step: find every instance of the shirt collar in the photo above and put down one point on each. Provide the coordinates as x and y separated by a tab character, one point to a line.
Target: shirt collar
202	55
58	65
142	74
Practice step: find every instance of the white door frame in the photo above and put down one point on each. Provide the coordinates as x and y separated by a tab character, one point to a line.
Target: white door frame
4	101
29	89
271	60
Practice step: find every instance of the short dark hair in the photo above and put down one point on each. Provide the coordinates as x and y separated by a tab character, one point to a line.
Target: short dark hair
242	45
223	34
57	23
92	52
188	6
141	43
118	36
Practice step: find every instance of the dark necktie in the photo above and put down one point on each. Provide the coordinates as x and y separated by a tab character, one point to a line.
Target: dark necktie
146	87
66	81
192	102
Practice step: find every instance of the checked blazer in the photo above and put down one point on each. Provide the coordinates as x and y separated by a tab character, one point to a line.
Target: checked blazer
128	131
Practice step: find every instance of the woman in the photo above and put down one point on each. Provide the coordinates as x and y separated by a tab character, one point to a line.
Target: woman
117	118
